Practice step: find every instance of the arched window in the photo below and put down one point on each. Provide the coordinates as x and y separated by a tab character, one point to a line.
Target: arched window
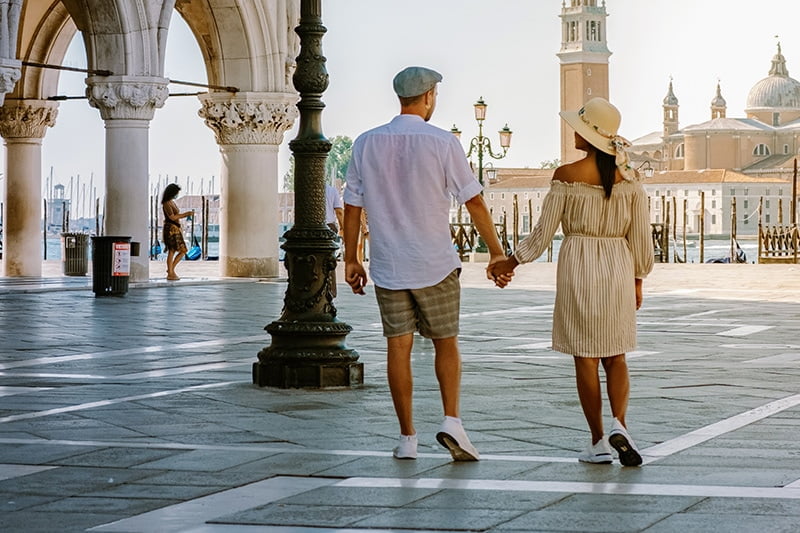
761	150
679	151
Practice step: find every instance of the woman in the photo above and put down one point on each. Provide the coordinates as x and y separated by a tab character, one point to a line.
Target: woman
173	234
606	252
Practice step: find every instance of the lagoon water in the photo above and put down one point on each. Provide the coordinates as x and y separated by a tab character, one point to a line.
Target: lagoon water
712	249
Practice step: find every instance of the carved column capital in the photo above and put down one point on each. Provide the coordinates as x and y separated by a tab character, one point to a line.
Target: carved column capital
27	119
127	97
249	118
10	73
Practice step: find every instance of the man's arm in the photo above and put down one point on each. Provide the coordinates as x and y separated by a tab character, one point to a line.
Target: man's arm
354	273
482	219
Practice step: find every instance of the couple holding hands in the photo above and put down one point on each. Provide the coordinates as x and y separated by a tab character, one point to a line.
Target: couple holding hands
404	174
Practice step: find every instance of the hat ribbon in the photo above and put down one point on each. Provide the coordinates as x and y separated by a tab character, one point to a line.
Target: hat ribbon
621	145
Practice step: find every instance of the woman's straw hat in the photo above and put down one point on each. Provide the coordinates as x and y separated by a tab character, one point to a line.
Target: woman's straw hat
597	122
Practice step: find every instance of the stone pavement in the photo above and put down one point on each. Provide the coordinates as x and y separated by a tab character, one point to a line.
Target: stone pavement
137	414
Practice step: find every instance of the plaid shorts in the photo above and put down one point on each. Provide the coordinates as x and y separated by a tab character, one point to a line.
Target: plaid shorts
433	311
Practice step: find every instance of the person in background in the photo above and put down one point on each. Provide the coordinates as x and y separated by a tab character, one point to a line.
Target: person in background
404	174
607	250
334	209
173	233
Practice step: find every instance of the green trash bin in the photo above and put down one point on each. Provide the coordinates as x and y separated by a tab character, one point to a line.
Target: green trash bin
75	253
111	265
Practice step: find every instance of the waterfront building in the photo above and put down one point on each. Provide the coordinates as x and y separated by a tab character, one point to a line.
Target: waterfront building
710	192
763	143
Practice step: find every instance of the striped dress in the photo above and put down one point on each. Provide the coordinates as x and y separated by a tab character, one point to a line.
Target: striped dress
607	243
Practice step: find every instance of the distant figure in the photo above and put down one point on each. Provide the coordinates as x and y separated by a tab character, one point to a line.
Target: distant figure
362	244
607	250
404	174
334	209
173	234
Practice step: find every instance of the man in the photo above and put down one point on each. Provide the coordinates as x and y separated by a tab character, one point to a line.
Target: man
404	174
334	209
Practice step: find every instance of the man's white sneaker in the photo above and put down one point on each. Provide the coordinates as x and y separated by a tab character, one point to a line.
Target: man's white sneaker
623	443
453	437
599	454
406	447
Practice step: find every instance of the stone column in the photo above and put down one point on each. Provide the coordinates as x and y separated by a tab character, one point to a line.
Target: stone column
23	124
127	105
249	128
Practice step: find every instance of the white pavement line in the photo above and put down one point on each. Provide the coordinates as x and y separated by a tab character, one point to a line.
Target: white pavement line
130	351
11	391
743	331
54	375
717	429
784	359
184	370
793	485
574	487
103	403
695	315
513	311
193	513
640	353
270	449
11	471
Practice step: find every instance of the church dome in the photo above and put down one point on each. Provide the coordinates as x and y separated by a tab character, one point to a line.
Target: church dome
778	90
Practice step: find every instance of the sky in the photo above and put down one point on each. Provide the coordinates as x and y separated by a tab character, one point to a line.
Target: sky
501	50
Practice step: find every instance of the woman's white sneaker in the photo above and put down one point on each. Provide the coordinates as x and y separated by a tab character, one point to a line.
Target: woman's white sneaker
623	443
599	454
406	447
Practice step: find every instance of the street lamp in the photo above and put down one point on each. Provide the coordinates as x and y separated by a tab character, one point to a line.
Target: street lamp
481	144
646	169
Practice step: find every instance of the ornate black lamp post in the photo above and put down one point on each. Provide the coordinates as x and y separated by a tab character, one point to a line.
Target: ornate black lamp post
481	144
308	342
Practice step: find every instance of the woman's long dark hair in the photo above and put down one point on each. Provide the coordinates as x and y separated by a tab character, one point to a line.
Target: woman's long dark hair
607	167
170	192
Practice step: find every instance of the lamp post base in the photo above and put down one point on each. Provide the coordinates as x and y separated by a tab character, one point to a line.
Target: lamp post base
308	354
294	375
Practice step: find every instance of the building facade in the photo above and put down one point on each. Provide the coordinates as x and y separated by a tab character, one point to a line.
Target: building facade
764	142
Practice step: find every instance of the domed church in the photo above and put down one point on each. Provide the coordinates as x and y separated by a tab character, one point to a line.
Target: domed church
764	143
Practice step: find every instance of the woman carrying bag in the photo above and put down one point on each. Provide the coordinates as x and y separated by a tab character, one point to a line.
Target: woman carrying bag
173	234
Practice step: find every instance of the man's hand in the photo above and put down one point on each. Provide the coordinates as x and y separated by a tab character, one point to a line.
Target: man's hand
501	270
355	276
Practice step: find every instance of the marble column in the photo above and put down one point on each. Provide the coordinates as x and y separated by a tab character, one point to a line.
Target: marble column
127	105
23	124
249	128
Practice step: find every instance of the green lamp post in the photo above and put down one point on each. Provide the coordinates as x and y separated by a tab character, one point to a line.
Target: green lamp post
481	145
308	342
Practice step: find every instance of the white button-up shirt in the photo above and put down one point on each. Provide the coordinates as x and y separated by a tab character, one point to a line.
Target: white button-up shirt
404	173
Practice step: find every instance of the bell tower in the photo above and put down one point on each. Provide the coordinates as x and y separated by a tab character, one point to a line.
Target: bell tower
584	62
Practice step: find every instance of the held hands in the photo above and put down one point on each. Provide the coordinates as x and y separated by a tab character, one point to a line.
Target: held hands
501	270
355	276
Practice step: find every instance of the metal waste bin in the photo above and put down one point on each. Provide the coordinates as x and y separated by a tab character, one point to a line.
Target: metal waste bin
111	265
75	253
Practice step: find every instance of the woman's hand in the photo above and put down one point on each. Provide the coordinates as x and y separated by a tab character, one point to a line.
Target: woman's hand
638	293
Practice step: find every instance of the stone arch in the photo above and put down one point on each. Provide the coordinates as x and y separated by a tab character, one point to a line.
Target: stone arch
249	45
127	37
